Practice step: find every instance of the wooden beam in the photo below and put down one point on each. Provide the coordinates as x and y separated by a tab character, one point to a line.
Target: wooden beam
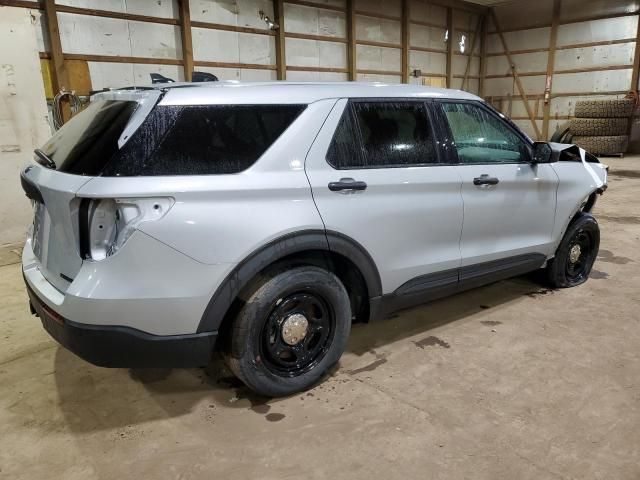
428	49
231	28
59	72
296	68
569	21
483	55
93	12
606	68
551	61
121	59
185	35
249	66
351	40
636	62
366	13
374	43
405	40
428	24
523	94
20	4
281	60
471	50
324	6
449	68
372	71
591	18
319	38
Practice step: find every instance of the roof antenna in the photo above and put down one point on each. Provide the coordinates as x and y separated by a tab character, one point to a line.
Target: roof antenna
203	77
157	78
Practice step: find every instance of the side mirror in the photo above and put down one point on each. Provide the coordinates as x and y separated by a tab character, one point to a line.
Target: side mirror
541	152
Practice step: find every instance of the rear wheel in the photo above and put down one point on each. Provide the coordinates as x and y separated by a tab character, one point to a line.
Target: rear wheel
291	330
576	254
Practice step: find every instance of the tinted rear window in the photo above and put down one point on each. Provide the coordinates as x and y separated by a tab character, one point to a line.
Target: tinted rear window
202	139
90	139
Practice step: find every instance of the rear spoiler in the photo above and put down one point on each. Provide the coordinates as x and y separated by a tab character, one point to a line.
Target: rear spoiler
147	99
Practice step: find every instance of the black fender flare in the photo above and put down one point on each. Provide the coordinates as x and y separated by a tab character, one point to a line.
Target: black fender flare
297	242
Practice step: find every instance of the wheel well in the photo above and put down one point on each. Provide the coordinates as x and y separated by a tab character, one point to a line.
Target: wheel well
348	273
585	207
590	203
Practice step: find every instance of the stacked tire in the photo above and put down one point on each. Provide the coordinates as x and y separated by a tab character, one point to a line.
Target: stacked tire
601	127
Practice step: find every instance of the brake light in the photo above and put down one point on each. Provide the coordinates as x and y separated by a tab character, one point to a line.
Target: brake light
107	223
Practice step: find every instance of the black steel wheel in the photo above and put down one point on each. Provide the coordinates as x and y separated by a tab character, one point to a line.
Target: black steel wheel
576	253
579	260
292	328
297	334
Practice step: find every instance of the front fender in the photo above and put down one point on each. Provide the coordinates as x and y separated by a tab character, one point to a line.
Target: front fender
580	175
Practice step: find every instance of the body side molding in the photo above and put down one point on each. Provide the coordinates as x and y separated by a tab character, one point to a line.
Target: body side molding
437	285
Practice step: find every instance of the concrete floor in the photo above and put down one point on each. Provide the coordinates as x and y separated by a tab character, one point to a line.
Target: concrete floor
507	381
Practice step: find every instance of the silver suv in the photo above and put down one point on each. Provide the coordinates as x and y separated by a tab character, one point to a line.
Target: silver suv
261	220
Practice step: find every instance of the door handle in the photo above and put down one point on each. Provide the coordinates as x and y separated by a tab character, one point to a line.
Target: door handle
485	179
347	184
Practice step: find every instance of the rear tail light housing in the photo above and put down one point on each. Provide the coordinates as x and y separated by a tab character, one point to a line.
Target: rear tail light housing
107	223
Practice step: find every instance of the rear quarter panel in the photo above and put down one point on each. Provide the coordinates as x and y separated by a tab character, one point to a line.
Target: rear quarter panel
224	218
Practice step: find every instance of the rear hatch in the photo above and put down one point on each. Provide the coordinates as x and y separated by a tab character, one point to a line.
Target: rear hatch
74	155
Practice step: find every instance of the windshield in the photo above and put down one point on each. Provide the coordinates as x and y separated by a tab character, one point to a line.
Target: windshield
86	143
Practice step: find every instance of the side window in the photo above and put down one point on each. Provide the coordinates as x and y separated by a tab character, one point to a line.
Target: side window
202	139
481	137
382	134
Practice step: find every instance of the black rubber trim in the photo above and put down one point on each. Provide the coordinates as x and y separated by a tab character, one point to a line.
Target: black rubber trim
430	287
488	272
31	190
432	281
83	228
124	347
279	248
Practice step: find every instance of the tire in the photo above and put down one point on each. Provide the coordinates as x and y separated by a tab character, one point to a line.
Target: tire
599	126
620	108
560	132
258	352
567	270
609	145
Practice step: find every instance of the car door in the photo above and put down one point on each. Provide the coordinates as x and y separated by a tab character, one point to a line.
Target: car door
509	202
376	175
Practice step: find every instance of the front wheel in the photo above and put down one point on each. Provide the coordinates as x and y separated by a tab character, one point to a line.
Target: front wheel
290	331
576	254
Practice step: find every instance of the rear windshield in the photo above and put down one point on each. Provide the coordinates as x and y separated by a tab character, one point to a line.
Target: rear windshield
172	140
90	139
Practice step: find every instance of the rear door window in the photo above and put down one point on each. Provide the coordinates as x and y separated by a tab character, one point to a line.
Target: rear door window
202	139
381	134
